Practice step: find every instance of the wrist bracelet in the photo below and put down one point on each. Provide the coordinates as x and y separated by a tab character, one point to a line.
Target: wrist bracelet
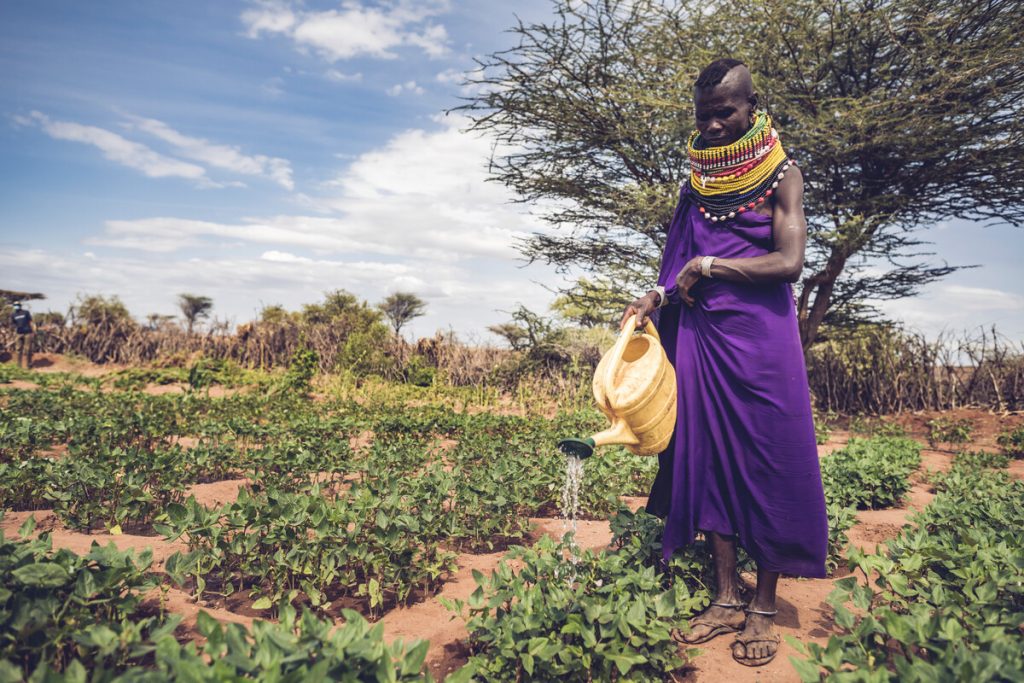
660	291
705	265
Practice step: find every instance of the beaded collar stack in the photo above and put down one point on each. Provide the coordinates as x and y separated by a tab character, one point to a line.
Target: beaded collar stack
732	179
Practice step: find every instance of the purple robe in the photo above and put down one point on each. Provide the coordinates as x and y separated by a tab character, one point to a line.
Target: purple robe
743	460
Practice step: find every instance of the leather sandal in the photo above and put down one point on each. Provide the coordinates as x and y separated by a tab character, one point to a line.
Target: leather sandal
717	628
740	656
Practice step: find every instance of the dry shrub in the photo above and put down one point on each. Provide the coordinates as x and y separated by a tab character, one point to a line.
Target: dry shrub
885	369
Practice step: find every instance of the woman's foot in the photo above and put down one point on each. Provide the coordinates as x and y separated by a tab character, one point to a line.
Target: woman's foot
719	619
758	643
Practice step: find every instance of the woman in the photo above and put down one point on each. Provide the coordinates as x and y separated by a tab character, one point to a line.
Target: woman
742	466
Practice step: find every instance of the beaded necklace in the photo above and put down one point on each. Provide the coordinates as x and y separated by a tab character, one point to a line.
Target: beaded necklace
732	179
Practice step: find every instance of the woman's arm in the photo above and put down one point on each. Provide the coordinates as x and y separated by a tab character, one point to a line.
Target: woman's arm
784	264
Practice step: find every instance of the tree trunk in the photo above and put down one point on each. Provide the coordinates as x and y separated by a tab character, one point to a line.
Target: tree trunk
810	314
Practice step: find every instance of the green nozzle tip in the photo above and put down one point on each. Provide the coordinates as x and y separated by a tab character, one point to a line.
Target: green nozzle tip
581	448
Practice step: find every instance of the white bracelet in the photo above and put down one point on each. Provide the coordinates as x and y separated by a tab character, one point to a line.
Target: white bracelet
705	265
661	294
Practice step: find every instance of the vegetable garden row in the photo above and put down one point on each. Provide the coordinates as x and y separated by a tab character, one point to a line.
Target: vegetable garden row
353	508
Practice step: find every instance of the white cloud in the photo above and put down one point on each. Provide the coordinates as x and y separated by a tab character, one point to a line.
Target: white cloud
416	214
461	78
982	298
219	156
153	164
284	257
955	308
271	17
408	86
423	195
450	76
354	30
239	286
341	77
120	150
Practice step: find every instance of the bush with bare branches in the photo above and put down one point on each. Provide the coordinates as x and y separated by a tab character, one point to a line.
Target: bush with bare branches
886	369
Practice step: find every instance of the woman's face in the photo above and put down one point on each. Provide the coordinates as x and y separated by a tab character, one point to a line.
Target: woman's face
724	113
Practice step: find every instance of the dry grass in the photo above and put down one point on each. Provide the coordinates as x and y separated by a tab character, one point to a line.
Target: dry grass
873	369
885	370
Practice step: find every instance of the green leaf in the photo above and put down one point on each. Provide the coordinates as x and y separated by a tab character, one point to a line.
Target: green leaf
42	575
527	660
808	672
263	603
9	673
27	527
414	658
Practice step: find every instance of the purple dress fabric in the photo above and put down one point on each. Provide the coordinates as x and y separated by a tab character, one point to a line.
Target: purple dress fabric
743	460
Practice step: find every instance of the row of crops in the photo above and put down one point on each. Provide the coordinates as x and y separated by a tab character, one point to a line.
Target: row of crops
352	508
323	522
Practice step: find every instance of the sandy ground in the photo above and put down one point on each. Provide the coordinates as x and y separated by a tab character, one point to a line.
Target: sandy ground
49	363
55	362
803	611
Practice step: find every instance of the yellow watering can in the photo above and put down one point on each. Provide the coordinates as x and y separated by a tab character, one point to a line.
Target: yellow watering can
635	386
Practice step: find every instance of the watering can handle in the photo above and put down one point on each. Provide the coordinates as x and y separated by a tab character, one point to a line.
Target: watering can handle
649	327
620	348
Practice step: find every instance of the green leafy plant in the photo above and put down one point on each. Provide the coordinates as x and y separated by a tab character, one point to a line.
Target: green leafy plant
944	602
870	473
603	618
306	548
823	425
981	460
945	430
300	647
76	618
840	520
1012	442
60	611
301	369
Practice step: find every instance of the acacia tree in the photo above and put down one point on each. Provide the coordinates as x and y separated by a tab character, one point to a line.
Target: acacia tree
401	307
900	112
194	307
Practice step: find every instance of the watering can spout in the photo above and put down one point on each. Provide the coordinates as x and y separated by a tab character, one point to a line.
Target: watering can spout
618	433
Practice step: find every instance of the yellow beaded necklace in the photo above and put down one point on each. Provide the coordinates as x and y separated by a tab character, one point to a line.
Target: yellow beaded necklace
735	178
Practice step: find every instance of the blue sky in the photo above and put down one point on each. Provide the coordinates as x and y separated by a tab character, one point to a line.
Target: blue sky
264	152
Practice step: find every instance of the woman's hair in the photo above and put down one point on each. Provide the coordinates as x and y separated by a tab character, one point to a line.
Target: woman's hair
714	72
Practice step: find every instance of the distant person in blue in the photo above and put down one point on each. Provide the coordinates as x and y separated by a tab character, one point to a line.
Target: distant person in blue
25	328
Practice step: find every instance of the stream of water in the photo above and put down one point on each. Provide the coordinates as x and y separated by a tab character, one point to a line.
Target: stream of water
571	506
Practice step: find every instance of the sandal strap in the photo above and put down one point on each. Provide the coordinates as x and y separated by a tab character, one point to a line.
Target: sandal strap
730	605
764	613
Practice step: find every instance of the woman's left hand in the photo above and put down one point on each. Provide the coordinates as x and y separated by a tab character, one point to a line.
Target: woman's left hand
687	278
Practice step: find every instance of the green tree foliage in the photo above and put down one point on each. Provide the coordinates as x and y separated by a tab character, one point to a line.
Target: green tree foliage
902	113
11	295
98	310
340	307
592	302
364	349
194	307
156	321
400	308
275	313
542	340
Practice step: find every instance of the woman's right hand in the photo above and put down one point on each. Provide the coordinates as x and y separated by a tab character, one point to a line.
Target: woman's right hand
641	308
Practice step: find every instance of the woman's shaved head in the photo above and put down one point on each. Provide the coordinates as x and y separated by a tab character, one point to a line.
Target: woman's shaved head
731	73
